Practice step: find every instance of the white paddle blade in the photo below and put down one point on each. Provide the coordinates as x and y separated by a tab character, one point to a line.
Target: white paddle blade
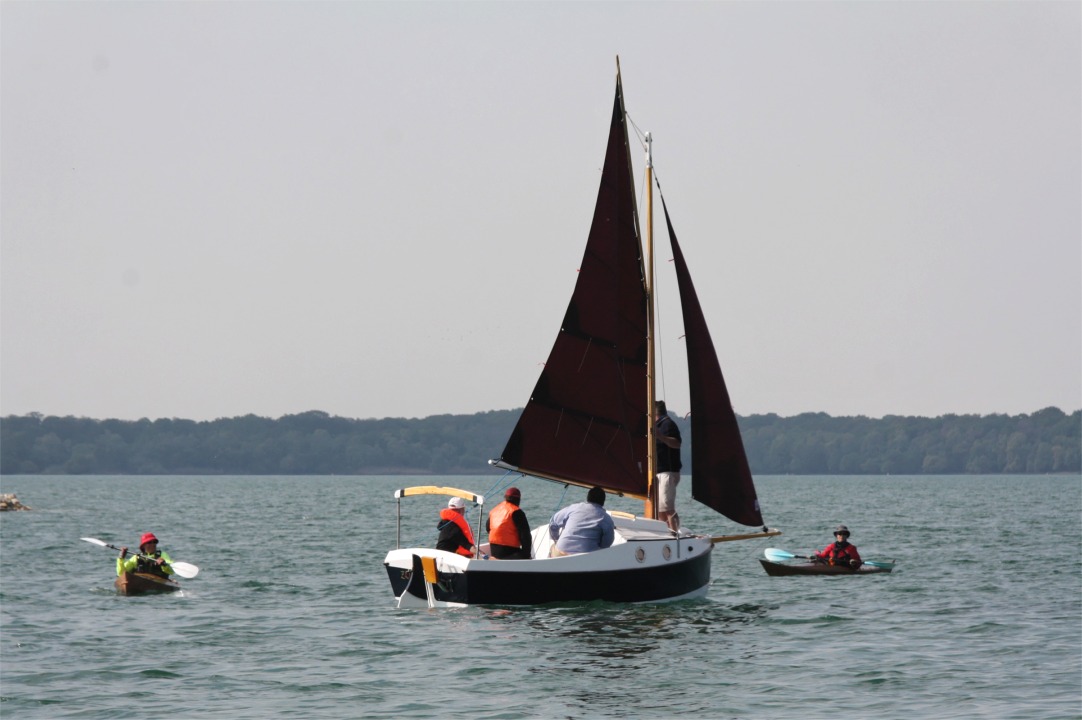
185	570
96	541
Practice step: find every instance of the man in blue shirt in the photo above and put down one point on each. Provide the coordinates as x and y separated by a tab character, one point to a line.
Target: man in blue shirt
582	527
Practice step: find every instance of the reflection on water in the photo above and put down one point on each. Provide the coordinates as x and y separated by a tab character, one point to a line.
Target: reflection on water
596	658
607	631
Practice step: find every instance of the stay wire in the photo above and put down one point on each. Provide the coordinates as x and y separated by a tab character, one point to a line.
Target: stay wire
659	347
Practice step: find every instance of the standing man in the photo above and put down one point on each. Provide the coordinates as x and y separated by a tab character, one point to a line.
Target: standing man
667	441
508	529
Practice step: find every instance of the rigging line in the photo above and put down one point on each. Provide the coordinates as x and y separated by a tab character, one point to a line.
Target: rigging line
501	484
660	375
659	347
560	501
639	134
661	194
641	137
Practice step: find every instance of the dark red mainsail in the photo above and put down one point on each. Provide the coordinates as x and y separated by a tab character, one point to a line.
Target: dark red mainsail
585	422
720	476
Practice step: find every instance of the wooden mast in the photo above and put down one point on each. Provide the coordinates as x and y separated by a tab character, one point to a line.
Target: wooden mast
649	503
650	508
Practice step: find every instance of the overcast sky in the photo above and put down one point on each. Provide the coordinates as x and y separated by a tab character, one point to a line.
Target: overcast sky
374	209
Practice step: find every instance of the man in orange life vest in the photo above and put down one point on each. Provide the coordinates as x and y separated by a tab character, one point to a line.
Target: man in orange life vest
455	533
508	529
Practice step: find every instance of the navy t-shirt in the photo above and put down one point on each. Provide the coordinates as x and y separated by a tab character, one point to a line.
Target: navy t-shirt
668	459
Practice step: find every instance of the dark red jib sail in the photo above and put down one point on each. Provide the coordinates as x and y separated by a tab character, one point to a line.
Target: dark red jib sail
585	422
720	476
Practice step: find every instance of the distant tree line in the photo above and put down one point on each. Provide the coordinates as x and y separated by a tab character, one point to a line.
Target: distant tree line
1047	441
315	443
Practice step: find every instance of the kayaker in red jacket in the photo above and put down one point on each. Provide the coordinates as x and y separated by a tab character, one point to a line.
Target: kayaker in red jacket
840	552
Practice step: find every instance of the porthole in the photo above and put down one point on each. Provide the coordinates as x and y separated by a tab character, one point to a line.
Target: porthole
666	552
640	554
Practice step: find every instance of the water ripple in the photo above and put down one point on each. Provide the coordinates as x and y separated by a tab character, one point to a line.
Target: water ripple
291	617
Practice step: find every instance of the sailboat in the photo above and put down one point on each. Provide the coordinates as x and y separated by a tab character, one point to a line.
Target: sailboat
589	422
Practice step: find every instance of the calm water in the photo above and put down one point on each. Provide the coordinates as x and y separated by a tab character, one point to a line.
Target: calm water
291	616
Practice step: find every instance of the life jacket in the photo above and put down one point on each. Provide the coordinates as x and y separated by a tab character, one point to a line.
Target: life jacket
146	566
501	529
449	515
839	552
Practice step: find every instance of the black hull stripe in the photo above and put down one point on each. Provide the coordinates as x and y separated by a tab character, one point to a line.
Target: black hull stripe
535	588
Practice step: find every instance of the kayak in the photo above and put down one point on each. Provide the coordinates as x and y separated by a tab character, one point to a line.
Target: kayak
141	583
775	568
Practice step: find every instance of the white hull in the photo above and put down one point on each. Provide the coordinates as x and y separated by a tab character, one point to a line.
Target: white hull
646	563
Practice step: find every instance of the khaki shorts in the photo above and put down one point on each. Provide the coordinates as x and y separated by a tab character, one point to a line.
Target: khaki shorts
666	491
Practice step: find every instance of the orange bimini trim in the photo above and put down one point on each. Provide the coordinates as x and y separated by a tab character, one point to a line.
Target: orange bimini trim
502	530
458	519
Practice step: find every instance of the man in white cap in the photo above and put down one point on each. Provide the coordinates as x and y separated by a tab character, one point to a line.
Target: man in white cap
455	533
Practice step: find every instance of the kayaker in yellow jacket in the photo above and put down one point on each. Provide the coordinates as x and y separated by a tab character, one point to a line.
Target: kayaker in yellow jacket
149	560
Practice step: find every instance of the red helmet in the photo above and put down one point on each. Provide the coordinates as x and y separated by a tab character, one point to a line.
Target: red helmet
147	538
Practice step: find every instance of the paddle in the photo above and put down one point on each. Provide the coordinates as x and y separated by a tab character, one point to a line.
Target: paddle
183	569
778	555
